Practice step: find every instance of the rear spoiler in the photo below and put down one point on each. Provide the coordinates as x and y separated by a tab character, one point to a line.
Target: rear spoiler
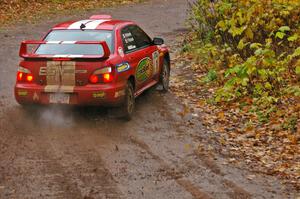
23	49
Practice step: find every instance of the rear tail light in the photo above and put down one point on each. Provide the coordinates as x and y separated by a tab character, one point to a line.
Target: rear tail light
24	75
20	76
29	78
94	79
107	77
103	75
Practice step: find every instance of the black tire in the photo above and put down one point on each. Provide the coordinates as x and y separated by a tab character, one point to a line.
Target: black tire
129	102
164	78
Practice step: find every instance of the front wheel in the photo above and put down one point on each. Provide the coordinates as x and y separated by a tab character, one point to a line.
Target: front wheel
129	102
164	78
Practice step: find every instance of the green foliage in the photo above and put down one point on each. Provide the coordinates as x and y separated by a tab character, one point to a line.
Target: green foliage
211	76
252	46
290	123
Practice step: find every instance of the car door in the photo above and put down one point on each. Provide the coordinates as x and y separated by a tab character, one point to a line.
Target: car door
133	54
149	67
138	50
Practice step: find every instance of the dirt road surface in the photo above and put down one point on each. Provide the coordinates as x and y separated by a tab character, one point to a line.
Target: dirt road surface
61	152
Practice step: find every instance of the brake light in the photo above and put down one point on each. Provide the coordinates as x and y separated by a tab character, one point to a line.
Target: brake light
103	75
24	75
61	59
94	79
107	77
29	77
20	76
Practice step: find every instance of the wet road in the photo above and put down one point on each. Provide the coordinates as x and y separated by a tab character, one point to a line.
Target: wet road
60	152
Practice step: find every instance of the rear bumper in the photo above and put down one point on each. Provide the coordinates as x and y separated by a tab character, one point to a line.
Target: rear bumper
89	95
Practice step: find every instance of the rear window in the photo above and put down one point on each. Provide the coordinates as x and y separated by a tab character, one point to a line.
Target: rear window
76	49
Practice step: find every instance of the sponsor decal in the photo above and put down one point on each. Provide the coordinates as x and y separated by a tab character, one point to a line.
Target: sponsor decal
126	35
68	74
99	94
53	71
60	76
120	93
131	47
144	70
123	67
129	40
80	71
22	93
155	58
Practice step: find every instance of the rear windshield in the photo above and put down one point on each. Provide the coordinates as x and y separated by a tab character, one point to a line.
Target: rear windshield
76	49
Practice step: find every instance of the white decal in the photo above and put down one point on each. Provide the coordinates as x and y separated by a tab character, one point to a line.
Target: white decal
131	47
53	42
128	40
70	56
60	55
125	35
75	56
121	51
89	24
68	42
94	24
77	24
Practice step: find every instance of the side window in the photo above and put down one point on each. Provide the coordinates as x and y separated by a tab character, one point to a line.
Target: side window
128	40
141	38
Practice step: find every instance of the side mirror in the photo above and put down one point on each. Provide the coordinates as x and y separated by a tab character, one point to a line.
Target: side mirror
158	41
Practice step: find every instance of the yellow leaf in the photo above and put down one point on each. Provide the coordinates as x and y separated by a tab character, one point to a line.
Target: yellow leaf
293	139
257	136
241	44
249	33
221	25
221	115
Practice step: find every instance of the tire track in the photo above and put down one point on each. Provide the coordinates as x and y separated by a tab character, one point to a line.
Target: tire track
235	190
83	165
32	170
195	191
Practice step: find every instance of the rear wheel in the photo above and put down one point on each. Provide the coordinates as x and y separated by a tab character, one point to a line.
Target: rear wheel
165	76
129	102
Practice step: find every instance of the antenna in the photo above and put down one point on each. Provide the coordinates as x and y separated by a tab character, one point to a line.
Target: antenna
82	26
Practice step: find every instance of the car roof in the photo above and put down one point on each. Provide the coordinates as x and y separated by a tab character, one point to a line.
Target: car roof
95	22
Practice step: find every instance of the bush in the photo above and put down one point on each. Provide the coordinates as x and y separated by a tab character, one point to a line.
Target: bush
253	46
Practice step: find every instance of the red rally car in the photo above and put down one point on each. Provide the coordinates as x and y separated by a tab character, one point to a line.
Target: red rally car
98	61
